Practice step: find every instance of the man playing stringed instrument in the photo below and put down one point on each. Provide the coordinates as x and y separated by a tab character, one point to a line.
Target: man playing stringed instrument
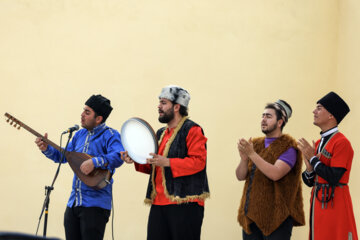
88	209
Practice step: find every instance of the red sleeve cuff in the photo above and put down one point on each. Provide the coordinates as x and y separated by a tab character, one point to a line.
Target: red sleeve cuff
144	168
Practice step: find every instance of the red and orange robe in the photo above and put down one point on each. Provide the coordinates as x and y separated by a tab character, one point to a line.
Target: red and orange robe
331	215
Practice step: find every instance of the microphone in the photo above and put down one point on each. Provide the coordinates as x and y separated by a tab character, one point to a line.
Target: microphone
72	129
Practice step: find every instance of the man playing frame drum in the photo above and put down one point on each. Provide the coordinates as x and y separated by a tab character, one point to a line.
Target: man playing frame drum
178	184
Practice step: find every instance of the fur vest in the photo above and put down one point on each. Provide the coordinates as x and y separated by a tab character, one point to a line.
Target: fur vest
271	202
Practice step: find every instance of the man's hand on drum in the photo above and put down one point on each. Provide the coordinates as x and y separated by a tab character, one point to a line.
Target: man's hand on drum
158	160
41	144
126	158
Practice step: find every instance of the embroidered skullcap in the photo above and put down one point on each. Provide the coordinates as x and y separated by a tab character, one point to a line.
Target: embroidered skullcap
285	109
176	94
335	105
100	105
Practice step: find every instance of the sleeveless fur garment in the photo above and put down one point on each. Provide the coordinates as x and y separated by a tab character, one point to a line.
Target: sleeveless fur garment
271	202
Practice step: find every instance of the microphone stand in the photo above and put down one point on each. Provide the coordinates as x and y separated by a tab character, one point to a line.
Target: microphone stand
48	189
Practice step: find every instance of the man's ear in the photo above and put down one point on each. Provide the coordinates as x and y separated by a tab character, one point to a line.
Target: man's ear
176	107
99	119
280	122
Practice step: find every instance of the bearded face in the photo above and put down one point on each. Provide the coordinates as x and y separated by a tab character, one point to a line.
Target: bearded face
268	121
268	128
166	115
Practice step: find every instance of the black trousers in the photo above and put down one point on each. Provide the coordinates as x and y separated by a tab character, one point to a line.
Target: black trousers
175	222
283	232
85	223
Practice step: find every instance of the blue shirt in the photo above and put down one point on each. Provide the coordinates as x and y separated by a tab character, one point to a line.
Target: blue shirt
104	144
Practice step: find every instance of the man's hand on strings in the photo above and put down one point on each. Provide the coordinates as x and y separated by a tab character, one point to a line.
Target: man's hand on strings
87	166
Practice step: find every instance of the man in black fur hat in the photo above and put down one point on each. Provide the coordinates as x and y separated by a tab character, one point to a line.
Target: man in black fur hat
88	209
328	165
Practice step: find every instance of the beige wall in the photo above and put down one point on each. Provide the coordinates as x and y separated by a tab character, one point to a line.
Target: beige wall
232	56
348	84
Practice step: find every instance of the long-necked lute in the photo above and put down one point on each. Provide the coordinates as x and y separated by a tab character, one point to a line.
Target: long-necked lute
97	179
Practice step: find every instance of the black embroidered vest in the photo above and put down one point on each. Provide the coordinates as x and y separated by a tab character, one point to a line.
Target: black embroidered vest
185	188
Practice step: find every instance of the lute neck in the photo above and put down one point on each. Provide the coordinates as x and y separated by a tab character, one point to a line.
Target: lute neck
23	125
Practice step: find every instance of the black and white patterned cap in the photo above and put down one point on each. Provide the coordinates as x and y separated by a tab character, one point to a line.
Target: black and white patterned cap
284	108
175	94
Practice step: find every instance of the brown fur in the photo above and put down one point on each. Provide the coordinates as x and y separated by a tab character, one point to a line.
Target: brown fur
271	202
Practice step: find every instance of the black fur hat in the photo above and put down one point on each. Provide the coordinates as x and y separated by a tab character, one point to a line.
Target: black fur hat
335	105
100	105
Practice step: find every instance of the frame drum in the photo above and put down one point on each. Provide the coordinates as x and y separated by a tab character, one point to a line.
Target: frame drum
138	139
